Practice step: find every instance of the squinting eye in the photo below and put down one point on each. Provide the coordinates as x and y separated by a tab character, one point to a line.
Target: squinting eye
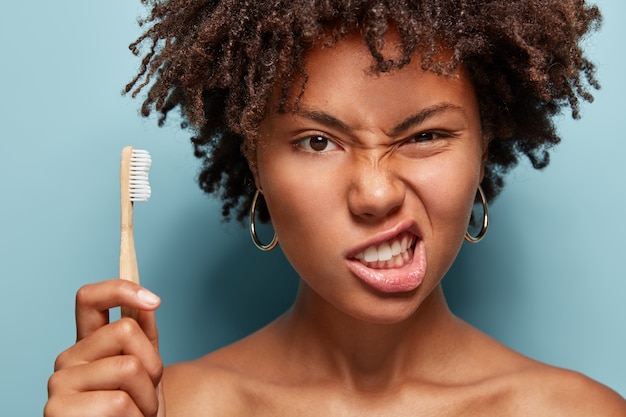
424	137
316	143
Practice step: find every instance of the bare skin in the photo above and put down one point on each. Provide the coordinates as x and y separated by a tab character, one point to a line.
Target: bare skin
382	161
476	377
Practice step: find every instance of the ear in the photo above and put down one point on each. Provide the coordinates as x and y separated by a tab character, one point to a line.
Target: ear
483	161
484	157
249	152
252	165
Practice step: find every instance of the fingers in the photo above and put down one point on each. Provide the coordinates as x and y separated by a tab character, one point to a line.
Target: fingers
113	369
124	337
93	302
125	374
95	404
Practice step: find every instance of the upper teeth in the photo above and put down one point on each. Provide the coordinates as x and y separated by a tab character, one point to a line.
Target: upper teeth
386	250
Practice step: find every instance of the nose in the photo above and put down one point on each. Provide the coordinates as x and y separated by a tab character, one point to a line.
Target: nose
375	190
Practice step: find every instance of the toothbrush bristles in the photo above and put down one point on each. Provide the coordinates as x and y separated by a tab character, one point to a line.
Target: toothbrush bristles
139	186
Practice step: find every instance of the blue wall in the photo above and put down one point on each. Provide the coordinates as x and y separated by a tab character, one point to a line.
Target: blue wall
549	280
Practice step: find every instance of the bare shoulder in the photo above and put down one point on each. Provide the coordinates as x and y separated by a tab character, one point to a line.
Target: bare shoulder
544	390
221	383
519	386
204	387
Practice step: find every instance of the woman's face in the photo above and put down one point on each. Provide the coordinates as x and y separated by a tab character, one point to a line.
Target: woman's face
370	181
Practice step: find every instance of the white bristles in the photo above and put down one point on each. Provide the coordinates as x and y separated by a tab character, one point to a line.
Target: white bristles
139	185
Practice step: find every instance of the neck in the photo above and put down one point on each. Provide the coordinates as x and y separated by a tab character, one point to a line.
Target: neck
370	356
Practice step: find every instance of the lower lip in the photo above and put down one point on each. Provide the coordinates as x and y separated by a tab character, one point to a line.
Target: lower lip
393	280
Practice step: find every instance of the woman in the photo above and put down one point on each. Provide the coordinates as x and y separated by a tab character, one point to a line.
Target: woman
364	132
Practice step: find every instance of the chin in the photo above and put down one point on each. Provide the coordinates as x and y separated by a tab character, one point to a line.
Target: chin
388	309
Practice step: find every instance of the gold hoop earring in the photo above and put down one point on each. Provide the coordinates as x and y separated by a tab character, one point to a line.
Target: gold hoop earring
483	229
255	237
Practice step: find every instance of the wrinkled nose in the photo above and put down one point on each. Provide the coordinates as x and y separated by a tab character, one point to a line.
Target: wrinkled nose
375	191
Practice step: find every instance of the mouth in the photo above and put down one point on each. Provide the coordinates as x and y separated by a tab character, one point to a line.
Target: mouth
396	265
394	253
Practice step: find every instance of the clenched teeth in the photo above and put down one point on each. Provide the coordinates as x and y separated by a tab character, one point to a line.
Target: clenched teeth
394	253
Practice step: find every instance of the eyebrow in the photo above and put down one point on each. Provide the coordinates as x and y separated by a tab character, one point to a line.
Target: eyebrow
411	121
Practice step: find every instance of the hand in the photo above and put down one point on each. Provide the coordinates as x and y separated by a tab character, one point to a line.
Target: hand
114	369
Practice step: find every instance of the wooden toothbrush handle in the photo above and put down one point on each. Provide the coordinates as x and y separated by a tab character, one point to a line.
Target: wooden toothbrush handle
128	257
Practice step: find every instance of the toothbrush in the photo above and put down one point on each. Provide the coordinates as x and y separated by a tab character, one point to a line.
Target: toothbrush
134	186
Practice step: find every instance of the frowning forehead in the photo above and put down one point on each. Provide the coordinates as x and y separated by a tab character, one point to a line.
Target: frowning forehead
323	118
344	69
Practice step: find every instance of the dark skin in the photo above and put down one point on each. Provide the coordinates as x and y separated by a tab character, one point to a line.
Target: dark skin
382	163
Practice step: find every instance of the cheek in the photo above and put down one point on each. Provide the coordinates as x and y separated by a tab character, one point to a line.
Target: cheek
447	192
297	199
307	222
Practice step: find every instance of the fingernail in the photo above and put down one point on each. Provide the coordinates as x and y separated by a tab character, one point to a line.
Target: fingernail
148	297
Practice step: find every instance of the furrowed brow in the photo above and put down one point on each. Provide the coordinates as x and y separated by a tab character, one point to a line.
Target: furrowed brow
419	117
411	121
323	118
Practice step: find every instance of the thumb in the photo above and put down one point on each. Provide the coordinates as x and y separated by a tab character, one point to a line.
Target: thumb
147	321
161	397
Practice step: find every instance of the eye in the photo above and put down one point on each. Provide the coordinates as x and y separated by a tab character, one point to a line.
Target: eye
425	137
316	144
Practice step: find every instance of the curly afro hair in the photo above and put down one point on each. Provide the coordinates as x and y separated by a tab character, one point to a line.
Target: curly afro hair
220	60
